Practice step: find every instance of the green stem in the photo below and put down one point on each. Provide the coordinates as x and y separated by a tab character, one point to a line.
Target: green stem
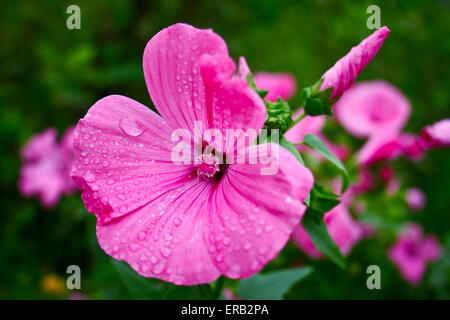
218	287
300	118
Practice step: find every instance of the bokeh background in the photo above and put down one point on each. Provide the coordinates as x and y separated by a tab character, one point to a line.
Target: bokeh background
50	76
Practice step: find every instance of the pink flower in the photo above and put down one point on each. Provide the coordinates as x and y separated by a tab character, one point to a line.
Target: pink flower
412	252
415	198
436	135
365	181
342	75
281	85
181	222
345	232
411	146
383	146
229	294
372	107
46	168
313	125
309	124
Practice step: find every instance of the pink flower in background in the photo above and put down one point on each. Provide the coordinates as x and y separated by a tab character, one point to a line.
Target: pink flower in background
185	223
229	295
281	85
389	178
411	146
365	181
369	108
342	75
46	168
345	232
415	198
309	124
313	125
436	135
383	146
413	251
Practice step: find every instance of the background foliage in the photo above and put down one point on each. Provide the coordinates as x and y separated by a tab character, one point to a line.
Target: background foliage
50	76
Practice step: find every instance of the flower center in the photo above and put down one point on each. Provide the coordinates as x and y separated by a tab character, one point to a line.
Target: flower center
209	166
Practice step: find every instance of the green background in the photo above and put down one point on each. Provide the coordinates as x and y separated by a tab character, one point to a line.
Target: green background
50	76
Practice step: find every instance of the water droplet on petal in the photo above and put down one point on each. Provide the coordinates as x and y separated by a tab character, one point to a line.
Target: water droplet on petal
130	127
166	252
159	268
134	247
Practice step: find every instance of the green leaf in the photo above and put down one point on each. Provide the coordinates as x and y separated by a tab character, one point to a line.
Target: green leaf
316	228
200	292
322	200
317	145
139	286
291	148
271	286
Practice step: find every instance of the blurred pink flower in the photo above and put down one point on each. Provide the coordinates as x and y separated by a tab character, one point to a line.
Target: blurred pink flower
46	168
386	173
436	135
342	75
412	251
185	223
411	147
345	232
365	181
281	85
415	198
383	146
368	108
313	125
309	124
229	295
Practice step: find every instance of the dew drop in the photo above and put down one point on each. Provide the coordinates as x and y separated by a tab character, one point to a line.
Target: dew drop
219	257
154	259
177	222
159	268
141	236
134	247
130	127
166	252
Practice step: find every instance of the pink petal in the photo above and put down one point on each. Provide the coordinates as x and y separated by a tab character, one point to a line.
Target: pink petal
172	72
342	75
122	157
411	146
46	169
253	215
302	239
345	232
231	104
436	135
412	268
281	85
40	144
372	107
415	198
243	69
431	248
384	146
309	124
165	238
43	179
